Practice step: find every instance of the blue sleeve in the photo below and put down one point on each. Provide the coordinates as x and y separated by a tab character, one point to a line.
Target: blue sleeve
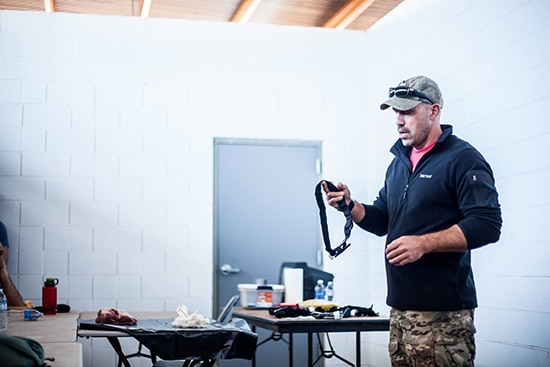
4	235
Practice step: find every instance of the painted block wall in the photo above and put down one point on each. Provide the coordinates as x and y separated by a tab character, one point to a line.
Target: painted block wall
106	151
492	63
106	145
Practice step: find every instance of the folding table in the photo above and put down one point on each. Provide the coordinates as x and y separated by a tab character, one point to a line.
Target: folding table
290	325
192	346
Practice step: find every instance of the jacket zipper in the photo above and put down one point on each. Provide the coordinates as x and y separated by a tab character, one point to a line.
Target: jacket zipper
414	173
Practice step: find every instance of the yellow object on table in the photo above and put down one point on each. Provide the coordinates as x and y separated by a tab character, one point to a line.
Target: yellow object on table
318	303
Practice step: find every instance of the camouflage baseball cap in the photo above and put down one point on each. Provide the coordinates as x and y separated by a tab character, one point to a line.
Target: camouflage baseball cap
413	91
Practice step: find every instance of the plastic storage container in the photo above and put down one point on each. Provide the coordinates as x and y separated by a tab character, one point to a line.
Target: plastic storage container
249	295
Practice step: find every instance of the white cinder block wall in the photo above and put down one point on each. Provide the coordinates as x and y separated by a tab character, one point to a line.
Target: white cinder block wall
106	146
491	61
493	66
106	151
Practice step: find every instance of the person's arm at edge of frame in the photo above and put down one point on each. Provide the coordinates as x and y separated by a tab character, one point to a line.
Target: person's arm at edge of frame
14	297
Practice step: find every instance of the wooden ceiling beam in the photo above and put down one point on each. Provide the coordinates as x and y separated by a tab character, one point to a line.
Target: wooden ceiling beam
145	8
49	6
348	13
245	11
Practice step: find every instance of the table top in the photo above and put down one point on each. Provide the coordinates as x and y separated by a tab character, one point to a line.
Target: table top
47	329
56	334
91	315
155	331
263	319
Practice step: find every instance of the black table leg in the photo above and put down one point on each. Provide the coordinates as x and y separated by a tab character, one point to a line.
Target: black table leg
358	349
253	328
290	351
118	349
309	350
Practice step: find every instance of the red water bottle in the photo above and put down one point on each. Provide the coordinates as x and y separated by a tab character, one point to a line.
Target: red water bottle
49	296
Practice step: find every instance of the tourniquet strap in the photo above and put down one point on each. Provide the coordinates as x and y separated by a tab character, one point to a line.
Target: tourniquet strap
343	207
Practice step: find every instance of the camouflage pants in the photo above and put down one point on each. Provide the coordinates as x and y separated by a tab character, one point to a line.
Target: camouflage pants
430	339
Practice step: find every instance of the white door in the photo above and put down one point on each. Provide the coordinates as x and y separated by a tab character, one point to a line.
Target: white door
265	214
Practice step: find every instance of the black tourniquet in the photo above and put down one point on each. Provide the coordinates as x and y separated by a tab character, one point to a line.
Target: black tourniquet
343	207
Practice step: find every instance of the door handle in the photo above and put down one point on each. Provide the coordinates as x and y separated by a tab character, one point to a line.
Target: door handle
227	270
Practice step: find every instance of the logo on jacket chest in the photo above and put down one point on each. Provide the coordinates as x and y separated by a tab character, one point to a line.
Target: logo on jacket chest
425	175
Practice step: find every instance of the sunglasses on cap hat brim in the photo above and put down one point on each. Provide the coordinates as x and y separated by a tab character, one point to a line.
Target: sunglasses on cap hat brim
404	92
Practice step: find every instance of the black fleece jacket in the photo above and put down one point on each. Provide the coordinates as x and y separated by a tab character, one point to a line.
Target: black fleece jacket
452	184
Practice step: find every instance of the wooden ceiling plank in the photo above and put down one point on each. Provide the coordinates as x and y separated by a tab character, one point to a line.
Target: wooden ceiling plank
307	13
348	13
245	11
145	8
49	6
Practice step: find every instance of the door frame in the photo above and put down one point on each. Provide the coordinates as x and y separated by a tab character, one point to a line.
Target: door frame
258	142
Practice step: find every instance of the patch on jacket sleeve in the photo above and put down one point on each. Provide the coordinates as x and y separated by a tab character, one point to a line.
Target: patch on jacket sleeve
482	187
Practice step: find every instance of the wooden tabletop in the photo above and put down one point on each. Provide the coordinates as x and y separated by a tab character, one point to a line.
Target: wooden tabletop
56	333
47	329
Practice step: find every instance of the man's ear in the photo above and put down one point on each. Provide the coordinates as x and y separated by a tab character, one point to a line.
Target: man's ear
435	110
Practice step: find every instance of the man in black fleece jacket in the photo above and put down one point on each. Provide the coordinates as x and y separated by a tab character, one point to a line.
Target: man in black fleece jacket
438	202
